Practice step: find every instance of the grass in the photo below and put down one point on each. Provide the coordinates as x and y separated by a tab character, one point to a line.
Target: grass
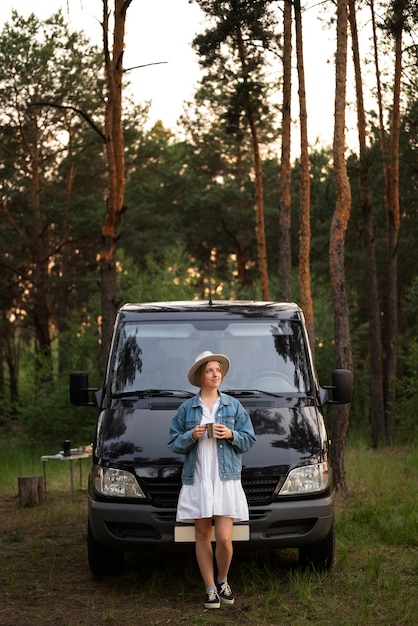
45	578
22	460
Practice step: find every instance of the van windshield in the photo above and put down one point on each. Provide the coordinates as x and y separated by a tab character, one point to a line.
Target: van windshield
267	356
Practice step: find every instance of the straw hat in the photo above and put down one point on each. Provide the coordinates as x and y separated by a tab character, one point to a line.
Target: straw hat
204	357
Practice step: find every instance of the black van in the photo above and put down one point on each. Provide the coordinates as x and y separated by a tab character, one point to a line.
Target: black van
135	480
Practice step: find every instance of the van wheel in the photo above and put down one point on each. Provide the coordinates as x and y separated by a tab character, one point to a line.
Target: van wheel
319	556
102	560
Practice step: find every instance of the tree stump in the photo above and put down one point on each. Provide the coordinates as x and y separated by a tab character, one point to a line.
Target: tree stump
31	490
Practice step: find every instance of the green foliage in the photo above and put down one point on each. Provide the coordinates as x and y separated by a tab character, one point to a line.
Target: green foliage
50	85
81	342
155	192
324	333
172	277
325	355
231	119
189	226
44	408
407	386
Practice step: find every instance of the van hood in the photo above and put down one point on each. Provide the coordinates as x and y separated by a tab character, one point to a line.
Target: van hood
132	436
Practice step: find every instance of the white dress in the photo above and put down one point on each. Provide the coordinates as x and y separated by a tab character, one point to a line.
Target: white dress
209	495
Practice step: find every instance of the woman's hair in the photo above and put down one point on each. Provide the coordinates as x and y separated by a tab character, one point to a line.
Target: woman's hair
201	371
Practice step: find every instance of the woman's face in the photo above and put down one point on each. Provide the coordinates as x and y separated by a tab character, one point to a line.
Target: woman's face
212	375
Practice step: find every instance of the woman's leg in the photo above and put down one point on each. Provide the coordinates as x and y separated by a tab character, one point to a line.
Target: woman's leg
224	549
204	552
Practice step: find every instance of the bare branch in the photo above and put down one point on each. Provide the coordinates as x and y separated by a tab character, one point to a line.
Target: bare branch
83	114
136	67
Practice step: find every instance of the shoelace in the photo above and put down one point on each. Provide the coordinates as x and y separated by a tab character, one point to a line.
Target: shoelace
212	595
226	589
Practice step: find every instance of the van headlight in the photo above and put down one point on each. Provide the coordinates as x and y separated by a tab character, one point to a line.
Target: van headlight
116	483
306	479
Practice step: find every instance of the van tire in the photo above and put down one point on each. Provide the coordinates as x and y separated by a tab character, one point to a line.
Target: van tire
102	560
319	556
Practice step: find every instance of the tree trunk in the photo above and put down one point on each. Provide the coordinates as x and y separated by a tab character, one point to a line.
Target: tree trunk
31	490
240	251
285	257
115	169
377	413
63	365
259	214
305	190
259	191
343	355
11	357
41	308
393	221
391	175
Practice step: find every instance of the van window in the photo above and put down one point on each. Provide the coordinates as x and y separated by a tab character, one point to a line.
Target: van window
265	355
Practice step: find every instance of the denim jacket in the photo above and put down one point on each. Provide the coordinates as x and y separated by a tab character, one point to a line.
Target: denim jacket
232	414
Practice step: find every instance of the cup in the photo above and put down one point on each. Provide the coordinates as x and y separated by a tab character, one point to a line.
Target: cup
210	430
66	446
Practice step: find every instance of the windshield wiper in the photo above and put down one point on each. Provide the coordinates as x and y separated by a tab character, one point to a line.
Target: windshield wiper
153	393
239	393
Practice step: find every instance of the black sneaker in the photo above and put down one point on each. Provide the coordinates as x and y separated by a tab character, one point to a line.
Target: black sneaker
212	600
225	593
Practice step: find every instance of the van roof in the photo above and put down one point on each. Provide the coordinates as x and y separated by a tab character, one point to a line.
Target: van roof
285	310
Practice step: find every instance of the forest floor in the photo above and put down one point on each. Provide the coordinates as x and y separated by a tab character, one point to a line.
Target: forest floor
45	578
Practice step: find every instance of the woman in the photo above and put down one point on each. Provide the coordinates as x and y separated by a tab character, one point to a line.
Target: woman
211	473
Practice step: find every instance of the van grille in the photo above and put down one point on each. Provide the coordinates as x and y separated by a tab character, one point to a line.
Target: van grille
165	492
259	490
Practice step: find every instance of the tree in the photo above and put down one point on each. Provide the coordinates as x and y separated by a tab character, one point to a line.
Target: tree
285	256
305	188
218	208
157	169
114	149
343	355
41	63
377	414
236	46
217	201
400	18
396	25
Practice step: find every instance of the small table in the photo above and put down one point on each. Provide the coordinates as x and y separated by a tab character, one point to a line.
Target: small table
71	458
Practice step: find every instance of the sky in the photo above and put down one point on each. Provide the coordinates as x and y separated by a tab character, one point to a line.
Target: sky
162	31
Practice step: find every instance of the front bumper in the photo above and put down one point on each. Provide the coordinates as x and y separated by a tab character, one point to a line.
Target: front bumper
284	524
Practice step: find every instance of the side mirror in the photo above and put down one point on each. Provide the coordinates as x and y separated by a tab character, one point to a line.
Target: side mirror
342	386
79	389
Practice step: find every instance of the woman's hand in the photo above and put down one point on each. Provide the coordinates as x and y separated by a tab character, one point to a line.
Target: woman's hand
198	432
219	430
222	432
